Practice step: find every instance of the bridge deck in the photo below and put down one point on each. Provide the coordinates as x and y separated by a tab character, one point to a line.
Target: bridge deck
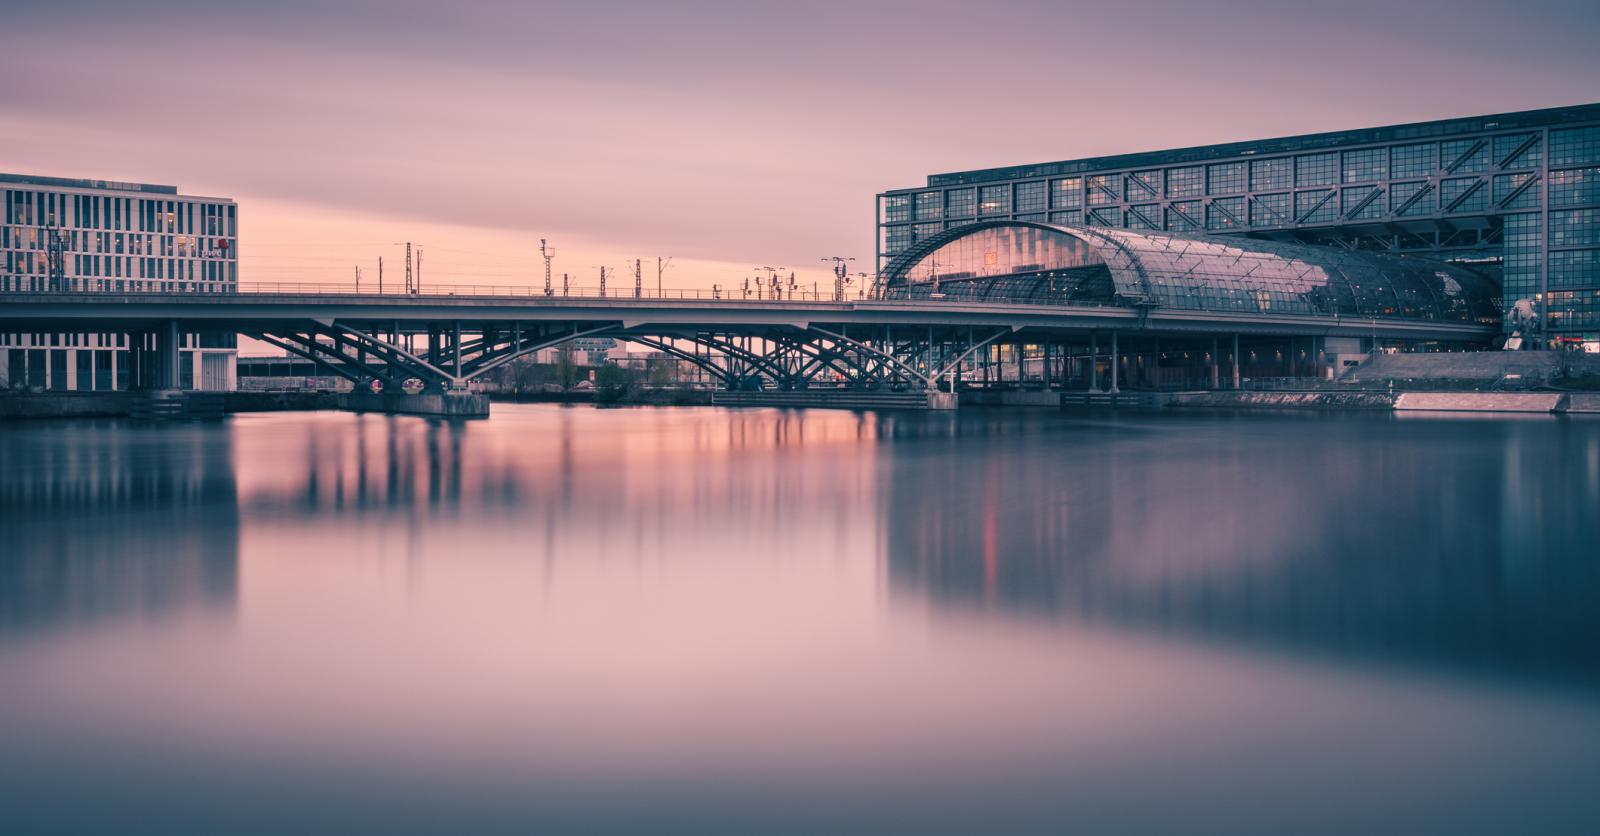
103	311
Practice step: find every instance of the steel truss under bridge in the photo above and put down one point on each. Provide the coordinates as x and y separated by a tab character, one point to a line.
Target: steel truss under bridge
782	357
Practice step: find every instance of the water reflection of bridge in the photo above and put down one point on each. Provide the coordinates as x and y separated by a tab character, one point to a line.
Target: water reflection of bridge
1273	541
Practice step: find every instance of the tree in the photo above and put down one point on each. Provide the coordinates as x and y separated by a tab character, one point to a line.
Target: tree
612	384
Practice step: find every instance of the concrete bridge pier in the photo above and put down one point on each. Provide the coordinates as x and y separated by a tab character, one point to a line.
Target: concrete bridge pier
168	375
436	404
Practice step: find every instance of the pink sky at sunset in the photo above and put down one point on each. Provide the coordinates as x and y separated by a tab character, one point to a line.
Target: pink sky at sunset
727	135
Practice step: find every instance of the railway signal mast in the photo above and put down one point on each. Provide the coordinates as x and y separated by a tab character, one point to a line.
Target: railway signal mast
841	275
549	255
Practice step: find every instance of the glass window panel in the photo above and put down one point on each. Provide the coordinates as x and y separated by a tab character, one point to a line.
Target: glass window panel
994	200
1186	182
1366	165
1066	193
1316	169
1271	174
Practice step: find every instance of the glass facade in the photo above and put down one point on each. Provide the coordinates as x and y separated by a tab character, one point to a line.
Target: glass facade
1515	195
1016	262
60	235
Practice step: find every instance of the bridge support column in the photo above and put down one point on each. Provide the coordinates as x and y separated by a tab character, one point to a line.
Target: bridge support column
1045	346
1216	371
1094	363
1235	361
1114	389
167	356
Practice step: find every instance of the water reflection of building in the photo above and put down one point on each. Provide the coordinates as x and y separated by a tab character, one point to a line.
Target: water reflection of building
108	521
1408	549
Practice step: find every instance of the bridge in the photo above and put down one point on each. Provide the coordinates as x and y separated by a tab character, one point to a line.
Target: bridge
448	336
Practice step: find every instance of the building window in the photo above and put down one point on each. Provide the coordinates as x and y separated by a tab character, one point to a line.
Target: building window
959	202
896	207
1366	165
1030	197
896	238
1575	228
1411	199
1516	191
1066	193
1186	182
1575	186
930	206
1465	156
1575	146
1103	190
1574	269
1413	160
1144	216
1316	170
1183	216
994	200
1463	194
1270	210
1226	212
1518	151
1315	207
1361	202
1271	174
1142	185
1225	178
1105	216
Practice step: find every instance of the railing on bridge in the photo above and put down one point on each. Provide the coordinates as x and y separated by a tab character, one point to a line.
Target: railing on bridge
529	292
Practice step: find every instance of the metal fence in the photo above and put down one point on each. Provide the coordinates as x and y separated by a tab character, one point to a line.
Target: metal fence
528	292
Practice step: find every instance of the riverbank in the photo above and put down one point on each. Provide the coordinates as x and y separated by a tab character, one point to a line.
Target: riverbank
1525	402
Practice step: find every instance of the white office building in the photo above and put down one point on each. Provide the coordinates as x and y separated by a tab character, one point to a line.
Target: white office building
63	235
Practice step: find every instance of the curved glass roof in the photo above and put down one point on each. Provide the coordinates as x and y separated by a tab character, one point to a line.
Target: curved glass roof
1022	261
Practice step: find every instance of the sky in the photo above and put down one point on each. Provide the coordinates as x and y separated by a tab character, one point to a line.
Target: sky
728	135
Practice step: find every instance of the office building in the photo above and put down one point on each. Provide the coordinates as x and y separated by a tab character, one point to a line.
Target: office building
94	236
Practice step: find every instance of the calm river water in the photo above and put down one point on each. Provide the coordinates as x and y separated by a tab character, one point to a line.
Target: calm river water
703	620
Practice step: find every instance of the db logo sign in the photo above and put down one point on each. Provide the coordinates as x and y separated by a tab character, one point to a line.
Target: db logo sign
991	259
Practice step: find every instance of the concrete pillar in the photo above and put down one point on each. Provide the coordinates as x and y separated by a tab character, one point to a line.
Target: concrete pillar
1046	347
1236	361
1114	389
1094	362
167	356
1155	363
1216	361
455	346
